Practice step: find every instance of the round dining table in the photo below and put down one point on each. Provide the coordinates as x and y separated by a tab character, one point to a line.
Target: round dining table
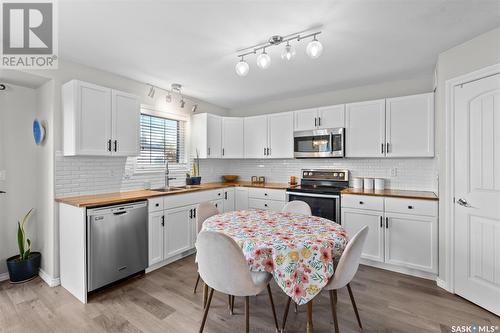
298	250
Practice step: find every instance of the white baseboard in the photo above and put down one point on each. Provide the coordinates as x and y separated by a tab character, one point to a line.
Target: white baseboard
4	276
51	281
442	284
169	260
398	269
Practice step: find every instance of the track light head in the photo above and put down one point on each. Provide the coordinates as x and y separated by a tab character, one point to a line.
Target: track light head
182	103
151	92
194	108
168	97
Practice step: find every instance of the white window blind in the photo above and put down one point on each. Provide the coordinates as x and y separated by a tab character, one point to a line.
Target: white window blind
161	138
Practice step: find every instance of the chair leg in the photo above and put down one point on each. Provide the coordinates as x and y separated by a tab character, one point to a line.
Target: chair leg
285	314
333	305
205	313
229	304
247	314
272	306
310	316
196	285
232	304
354	305
296	307
205	294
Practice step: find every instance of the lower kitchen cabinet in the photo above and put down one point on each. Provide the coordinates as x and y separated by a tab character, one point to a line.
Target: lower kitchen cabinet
219	203
355	219
402	235
156	235
241	198
228	199
411	241
177	230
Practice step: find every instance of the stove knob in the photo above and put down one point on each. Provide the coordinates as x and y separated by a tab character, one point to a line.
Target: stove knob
341	175
335	174
310	173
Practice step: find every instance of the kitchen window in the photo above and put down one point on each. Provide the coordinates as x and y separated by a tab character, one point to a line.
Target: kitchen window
161	139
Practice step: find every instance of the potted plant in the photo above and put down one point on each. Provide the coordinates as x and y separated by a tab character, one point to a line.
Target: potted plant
195	176
25	266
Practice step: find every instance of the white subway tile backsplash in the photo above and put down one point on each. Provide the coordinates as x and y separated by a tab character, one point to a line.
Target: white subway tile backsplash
79	175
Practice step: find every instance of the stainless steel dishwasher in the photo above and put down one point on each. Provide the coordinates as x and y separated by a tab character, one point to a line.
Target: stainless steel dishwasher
117	243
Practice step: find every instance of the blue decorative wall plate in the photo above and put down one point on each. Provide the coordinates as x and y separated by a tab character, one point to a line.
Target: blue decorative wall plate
38	131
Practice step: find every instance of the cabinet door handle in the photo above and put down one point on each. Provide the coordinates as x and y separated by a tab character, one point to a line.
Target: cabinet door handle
225	195
109	145
387	223
268	151
116	145
222	151
208	150
315	122
410	207
265	151
190	213
265	205
157	205
387	147
163	221
194	213
381	223
361	202
382	148
319	121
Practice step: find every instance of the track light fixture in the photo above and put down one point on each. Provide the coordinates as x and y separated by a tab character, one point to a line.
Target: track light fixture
175	89
313	50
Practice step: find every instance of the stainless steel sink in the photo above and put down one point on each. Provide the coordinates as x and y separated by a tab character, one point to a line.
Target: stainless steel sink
174	188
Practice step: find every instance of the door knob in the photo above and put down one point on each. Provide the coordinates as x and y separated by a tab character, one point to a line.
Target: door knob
463	202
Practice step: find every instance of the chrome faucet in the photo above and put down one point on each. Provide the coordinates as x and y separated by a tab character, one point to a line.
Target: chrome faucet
167	178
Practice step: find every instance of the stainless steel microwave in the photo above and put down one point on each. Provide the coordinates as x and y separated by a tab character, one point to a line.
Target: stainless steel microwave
328	142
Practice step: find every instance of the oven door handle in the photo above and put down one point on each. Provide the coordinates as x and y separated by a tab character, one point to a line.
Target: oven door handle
332	196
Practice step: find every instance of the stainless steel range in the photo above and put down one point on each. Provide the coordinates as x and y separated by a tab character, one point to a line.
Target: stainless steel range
320	189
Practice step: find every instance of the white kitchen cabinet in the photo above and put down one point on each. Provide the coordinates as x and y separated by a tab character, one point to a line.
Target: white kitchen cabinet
266	199
219	204
232	137
323	117
99	121
256	137
206	135
411	241
355	219
156	235
125	115
280	135
365	129
269	136
228	199
241	198
177	230
410	126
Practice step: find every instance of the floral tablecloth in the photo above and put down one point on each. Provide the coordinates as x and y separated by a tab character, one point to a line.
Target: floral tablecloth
298	250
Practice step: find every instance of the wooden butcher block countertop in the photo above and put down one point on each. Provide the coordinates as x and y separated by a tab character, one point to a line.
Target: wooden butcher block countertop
95	200
424	195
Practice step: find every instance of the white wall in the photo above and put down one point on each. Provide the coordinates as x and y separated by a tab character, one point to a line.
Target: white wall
477	53
19	160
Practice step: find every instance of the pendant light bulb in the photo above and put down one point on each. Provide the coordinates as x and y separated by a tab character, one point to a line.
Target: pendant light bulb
242	67
263	60
289	52
314	49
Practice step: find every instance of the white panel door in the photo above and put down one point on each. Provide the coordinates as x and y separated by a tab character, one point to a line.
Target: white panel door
411	241
306	119
477	192
355	219
241	198
214	136
331	116
232	137
228	200
365	129
155	240
94	119
255	137
177	231
280	135
410	126
125	117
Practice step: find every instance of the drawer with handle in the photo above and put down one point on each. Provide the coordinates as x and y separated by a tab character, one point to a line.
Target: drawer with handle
155	204
266	204
265	193
362	202
411	206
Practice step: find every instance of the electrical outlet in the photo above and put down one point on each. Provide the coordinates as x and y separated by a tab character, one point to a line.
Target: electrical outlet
394	172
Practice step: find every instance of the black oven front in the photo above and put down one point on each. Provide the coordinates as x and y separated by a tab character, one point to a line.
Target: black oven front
322	205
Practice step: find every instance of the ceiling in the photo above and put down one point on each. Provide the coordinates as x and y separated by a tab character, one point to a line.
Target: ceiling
194	42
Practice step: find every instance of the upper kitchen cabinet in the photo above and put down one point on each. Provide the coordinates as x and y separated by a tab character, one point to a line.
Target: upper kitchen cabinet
323	117
269	136
365	129
232	137
409	130
99	121
206	137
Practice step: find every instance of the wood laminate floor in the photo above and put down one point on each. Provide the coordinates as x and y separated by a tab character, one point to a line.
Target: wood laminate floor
163	301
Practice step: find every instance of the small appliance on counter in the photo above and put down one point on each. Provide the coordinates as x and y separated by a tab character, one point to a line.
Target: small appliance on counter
320	189
368	183
258	180
357	182
230	178
379	184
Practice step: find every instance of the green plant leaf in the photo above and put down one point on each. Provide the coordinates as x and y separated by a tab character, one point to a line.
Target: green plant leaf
20	240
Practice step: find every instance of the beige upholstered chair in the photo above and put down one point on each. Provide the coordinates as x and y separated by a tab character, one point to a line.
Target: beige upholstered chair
344	273
204	211
297	207
223	267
